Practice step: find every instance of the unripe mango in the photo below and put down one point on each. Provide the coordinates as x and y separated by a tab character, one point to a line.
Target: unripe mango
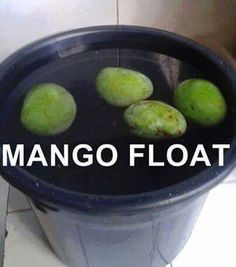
200	101
48	109
122	87
155	119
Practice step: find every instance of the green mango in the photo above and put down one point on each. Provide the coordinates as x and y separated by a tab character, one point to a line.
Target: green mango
155	120
48	109
122	87
200	101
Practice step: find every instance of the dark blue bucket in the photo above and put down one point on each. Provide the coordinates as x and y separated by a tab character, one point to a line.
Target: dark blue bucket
142	229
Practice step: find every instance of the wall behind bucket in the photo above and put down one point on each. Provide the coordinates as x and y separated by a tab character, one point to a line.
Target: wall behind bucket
212	18
24	21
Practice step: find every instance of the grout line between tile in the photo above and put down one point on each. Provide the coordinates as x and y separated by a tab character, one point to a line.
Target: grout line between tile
20	210
117	12
229	182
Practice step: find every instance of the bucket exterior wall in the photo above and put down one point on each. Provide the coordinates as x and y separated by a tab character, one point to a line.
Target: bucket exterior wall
148	238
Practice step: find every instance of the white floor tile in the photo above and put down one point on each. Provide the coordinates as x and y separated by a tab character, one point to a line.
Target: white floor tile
17	201
23	21
231	177
213	242
26	245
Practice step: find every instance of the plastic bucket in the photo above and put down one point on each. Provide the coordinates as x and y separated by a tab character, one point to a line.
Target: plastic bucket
143	229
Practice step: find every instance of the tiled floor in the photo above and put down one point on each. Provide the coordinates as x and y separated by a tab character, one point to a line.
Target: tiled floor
214	234
213	242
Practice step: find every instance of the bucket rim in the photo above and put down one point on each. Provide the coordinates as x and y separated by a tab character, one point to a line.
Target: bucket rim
86	39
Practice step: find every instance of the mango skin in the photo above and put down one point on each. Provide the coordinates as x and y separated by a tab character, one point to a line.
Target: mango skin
122	87
201	102
155	120
48	109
